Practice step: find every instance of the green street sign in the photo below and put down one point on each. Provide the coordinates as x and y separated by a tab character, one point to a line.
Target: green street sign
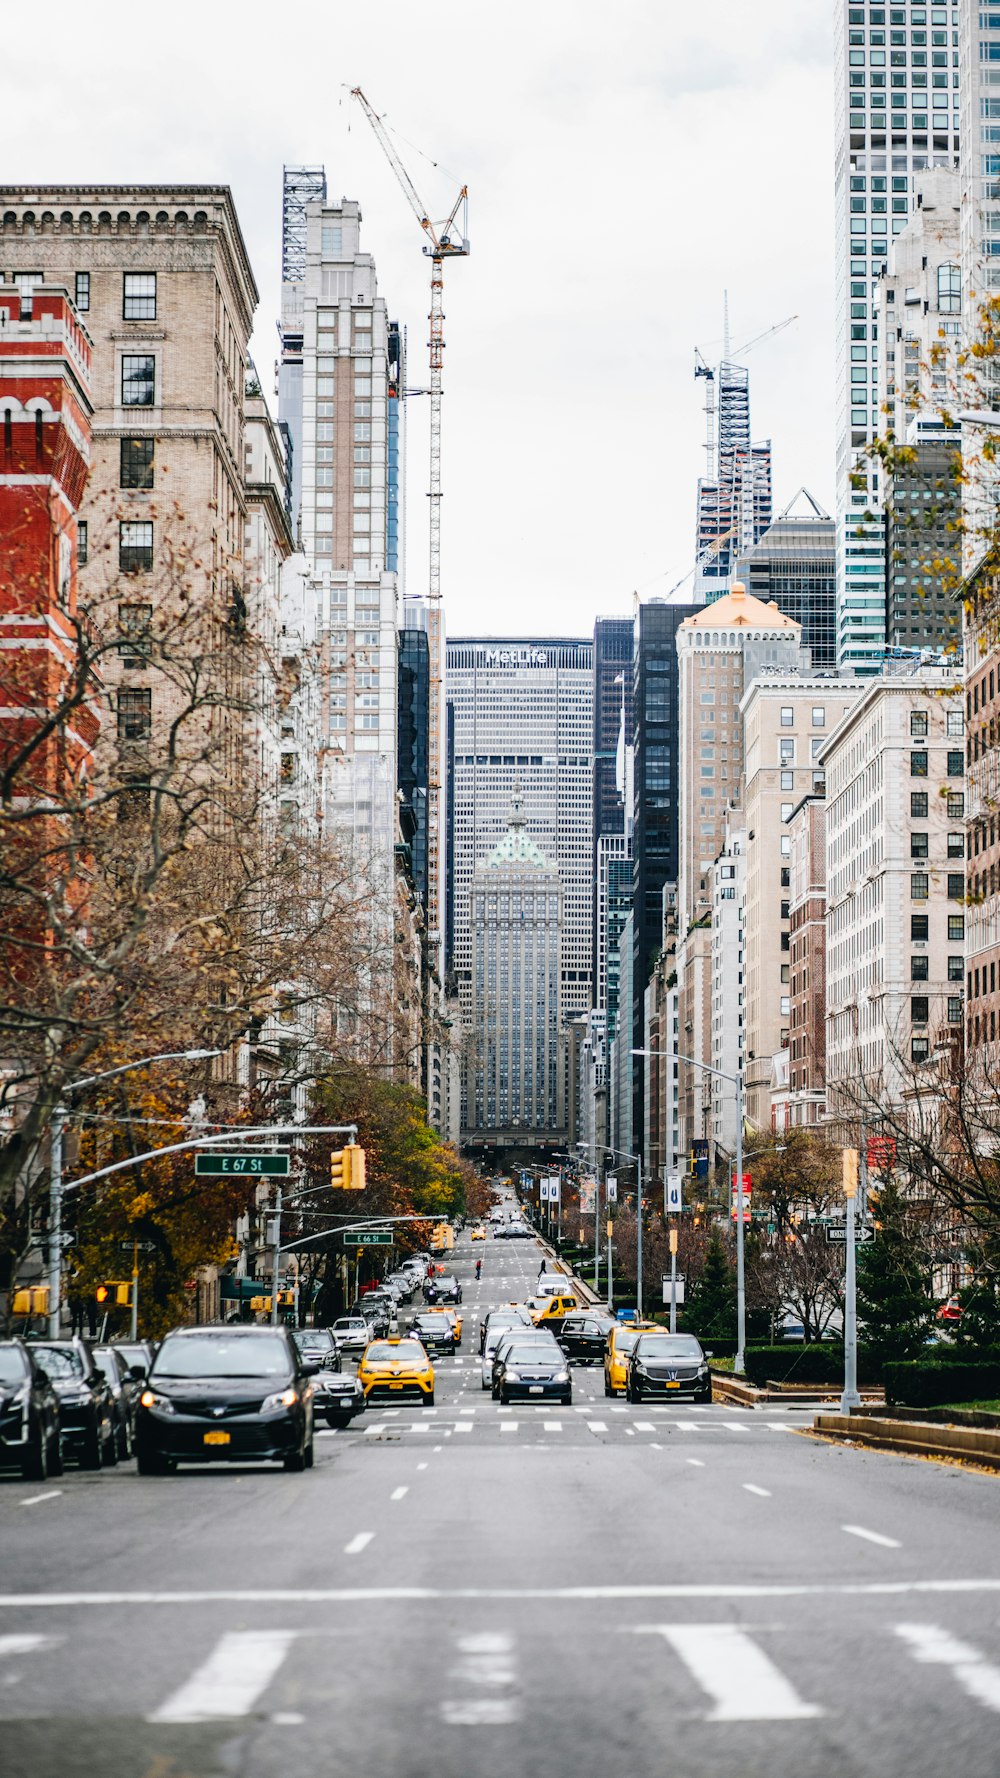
366	1237
252	1165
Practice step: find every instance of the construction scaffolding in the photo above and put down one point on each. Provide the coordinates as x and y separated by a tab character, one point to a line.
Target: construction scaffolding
300	186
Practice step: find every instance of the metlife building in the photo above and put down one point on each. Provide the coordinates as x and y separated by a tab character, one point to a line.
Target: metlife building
523	718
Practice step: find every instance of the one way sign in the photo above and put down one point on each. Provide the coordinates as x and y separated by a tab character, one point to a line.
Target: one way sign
837	1231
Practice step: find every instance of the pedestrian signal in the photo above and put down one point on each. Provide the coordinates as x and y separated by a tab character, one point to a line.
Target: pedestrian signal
115	1294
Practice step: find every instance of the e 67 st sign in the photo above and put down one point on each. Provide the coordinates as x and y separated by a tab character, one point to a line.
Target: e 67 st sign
248	1164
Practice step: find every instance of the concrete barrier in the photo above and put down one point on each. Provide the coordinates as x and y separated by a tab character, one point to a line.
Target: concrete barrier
916	1438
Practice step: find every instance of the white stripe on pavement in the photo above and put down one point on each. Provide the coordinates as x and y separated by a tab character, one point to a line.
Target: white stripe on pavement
240	1666
742	1681
25	1644
595	1426
752	1488
553	1425
974	1674
887	1543
644	1426
399	1493
508	1425
954	1586
358	1543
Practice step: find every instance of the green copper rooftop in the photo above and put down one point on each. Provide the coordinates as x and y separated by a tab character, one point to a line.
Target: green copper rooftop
517	847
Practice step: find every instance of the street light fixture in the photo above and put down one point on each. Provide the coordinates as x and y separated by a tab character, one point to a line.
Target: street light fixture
624	1155
735	1080
59	1116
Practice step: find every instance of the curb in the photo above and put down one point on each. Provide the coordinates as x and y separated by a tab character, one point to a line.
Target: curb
920	1438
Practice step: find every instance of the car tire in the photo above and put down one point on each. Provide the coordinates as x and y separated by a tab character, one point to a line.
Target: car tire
607	1387
310	1454
55	1453
430	1399
152	1463
35	1462
109	1453
295	1462
123	1442
90	1456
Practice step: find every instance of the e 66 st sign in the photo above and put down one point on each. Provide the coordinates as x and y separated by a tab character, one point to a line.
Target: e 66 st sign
366	1237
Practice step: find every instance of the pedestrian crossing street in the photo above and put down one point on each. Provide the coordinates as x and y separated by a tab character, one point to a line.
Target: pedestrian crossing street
612	1421
718	1672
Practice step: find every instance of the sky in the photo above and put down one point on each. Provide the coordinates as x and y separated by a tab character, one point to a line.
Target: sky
627	162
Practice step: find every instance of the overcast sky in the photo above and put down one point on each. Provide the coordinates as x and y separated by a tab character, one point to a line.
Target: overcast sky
626	161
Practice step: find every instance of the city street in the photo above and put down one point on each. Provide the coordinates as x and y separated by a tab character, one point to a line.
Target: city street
470	1589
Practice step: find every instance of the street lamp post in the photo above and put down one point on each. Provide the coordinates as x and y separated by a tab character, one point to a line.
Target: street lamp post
735	1080
850	1399
623	1155
59	1116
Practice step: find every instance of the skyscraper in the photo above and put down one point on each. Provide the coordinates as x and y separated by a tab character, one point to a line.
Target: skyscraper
734	499
897	113
795	564
613	643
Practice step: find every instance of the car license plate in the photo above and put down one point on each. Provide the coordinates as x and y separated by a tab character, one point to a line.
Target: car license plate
395	1385
216	1438
673	1385
535	1389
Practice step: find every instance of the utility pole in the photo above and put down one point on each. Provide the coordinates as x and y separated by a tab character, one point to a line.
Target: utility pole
135	1291
638	1234
275	1232
673	1280
55	1218
850	1399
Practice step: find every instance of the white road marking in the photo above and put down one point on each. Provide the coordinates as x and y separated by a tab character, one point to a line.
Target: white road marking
975	1675
369	1430
618	1407
687	1425
654	1447
752	1488
572	1595
466	1410
508	1425
596	1426
421	1466
742	1681
358	1543
25	1644
36	1499
735	1426
630	1432
287	1719
581	1410
553	1425
887	1543
644	1426
399	1493
462	1426
695	1462
240	1666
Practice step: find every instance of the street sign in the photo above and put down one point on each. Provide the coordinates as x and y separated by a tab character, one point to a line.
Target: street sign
254	1165
366	1237
679	1299
838	1232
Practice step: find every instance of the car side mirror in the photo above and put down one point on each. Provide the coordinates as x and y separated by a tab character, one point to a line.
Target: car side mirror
137	1372
709	1354
42	1375
310	1370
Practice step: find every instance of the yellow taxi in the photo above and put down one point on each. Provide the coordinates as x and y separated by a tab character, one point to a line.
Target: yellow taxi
453	1316
389	1369
479	1233
551	1311
620	1342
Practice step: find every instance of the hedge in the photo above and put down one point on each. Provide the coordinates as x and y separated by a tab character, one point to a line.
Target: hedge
791	1363
921	1383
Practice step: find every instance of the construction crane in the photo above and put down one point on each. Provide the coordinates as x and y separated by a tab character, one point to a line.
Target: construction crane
702	368
445	240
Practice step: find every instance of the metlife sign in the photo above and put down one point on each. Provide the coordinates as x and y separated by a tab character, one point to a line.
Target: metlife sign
515	657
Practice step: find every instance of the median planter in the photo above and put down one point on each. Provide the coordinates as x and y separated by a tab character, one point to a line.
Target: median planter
806	1364
925	1384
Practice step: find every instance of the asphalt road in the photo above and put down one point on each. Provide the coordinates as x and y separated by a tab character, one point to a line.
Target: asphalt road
472	1592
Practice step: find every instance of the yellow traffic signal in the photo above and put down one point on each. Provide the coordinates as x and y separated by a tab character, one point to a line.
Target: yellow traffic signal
115	1293
347	1169
261	1304
102	1293
33	1301
850	1163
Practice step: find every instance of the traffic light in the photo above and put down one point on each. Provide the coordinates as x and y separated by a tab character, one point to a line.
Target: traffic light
347	1169
33	1301
850	1165
115	1294
261	1304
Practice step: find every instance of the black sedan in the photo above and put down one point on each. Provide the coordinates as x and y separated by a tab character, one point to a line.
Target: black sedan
442	1290
663	1366
231	1395
138	1355
532	1371
86	1405
124	1387
336	1393
29	1414
585	1335
435	1333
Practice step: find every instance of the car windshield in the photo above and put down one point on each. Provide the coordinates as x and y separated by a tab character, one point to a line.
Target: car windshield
429	1324
207	1355
384	1352
106	1364
533	1353
12	1366
625	1339
132	1354
313	1339
668	1346
60	1361
349	1324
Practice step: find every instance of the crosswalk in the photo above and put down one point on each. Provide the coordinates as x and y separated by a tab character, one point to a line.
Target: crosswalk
725	1672
649	1422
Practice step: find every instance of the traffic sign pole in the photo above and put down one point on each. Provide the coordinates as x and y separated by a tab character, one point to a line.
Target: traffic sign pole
850	1399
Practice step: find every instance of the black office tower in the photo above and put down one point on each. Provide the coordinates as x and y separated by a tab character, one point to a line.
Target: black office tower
413	739
613	646
795	564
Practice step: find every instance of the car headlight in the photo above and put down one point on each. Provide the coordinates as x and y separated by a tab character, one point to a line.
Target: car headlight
512	1376
150	1398
561	1377
18	1400
285	1398
703	1370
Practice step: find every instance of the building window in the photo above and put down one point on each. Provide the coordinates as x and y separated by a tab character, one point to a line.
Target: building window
919	968
919	886
819	716
139	297
135	546
133	623
956	926
949	289
787	716
919	928
788	780
956	969
955	724
135	713
82	543
786	752
919	1008
954	1009
956	845
82	292
136	469
918	723
956	805
920	1049
918	805
918	765
138	380
919	845
956	885
956	762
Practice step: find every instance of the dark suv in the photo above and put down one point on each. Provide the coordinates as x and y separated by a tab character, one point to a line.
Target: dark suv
442	1290
662	1366
585	1333
29	1414
226	1394
86	1407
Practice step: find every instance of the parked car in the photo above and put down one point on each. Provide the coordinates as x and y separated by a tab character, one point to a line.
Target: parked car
138	1354
351	1333
585	1334
336	1393
29	1413
226	1394
664	1365
86	1411
124	1389
532	1370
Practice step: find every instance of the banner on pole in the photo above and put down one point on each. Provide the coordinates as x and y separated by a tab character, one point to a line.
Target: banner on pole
611	1188
588	1197
555	1187
675	1195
